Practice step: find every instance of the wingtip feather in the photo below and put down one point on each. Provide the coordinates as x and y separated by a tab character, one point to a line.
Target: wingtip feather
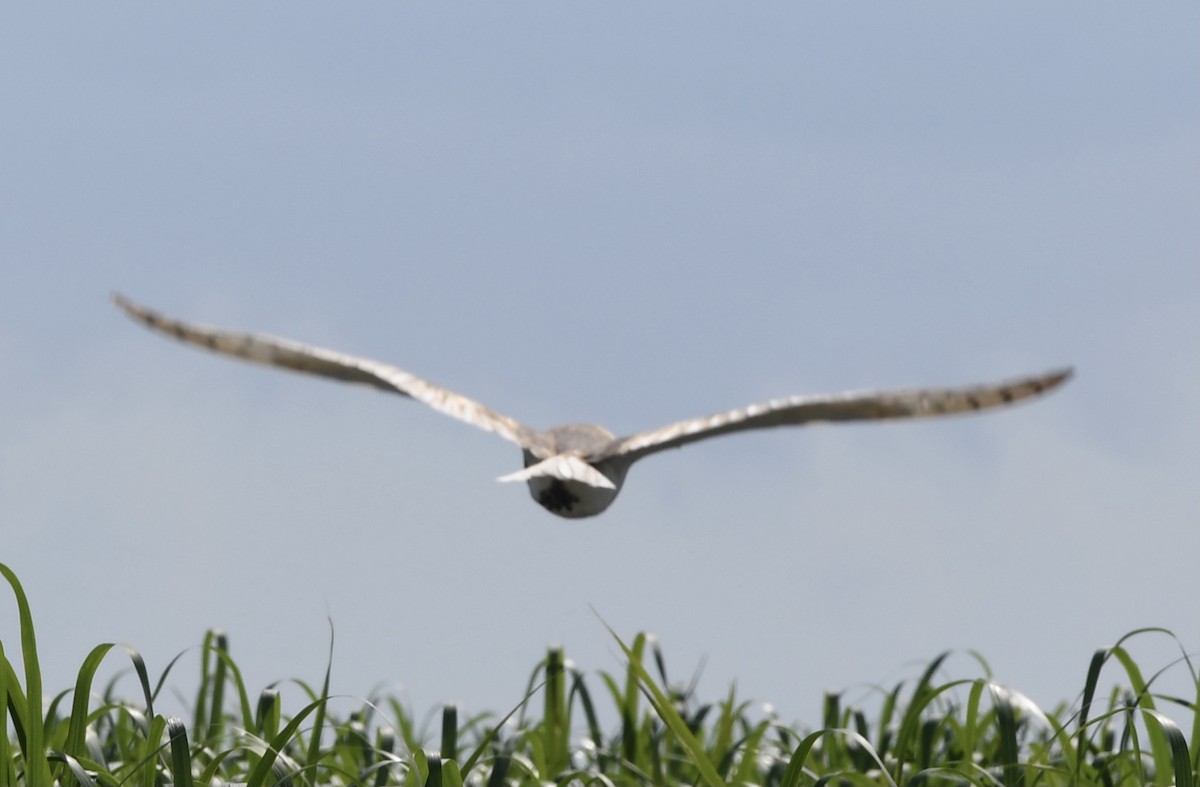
1059	376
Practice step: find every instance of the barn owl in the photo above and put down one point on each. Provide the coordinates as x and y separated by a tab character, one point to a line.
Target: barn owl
576	470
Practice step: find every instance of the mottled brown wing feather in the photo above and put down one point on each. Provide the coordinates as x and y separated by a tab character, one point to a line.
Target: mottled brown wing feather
299	357
861	406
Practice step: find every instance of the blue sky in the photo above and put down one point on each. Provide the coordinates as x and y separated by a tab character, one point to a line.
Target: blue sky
611	214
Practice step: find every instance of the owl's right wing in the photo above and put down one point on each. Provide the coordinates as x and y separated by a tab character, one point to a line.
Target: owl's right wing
299	357
860	406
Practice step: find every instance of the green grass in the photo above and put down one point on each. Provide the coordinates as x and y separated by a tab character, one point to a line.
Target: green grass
924	731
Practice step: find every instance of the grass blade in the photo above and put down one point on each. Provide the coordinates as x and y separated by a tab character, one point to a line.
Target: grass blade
555	724
1006	729
37	767
77	726
667	713
1181	762
8	771
314	744
181	754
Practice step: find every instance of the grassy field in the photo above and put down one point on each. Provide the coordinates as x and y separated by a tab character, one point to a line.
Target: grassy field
923	731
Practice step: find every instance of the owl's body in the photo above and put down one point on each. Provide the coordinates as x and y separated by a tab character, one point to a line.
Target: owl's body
577	470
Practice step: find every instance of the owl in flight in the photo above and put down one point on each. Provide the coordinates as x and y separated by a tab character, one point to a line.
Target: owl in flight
577	470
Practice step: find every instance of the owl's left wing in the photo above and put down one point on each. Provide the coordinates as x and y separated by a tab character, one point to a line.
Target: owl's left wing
861	406
287	354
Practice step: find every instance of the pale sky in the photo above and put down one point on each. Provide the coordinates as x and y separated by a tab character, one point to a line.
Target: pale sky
625	214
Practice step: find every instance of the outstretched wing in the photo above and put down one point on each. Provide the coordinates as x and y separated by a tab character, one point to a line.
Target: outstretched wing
862	406
327	363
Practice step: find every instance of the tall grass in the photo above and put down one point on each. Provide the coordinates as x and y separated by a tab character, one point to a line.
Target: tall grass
924	731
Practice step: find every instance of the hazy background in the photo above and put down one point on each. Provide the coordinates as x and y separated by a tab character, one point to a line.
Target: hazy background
627	214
